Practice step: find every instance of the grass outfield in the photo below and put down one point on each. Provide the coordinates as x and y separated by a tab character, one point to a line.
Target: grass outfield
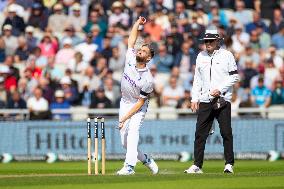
69	175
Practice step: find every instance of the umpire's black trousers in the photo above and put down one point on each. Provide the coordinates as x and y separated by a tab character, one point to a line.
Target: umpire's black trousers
205	118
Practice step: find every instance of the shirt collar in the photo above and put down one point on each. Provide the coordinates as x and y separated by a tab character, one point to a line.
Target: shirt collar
141	69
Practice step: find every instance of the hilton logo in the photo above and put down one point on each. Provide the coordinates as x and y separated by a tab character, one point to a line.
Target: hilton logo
55	139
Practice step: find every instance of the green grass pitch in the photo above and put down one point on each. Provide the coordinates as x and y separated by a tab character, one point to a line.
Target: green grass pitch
69	175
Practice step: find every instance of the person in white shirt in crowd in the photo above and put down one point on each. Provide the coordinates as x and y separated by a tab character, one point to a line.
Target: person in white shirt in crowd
37	105
136	85
87	48
11	42
77	65
118	16
240	38
172	93
215	74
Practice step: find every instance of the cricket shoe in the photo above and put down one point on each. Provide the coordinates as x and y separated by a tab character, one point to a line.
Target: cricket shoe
193	170
228	168
151	164
126	170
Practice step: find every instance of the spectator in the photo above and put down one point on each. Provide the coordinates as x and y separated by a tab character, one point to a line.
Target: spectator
215	12
95	19
270	70
254	40
22	88
48	91
77	65
17	23
70	93
57	20
278	38
107	49
277	59
181	15
31	65
249	53
242	14
70	32
48	45
256	21
31	39
100	101
50	69
38	106
87	48
172	45
16	101
139	10
101	68
275	23
248	72
156	32
163	60
40	60
185	101
158	5
172	93
185	60
13	71
39	16
162	19
261	95
116	62
277	96
10	82
86	94
22	52
117	15
201	17
75	19
240	39
60	103
264	37
112	91
11	42
64	55
97	39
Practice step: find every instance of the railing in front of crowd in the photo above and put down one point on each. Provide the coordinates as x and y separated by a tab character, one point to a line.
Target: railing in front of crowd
81	113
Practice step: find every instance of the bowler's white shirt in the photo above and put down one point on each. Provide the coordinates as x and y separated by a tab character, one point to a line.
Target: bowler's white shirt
135	83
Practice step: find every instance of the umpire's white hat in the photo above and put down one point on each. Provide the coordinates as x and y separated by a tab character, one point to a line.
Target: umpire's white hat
211	34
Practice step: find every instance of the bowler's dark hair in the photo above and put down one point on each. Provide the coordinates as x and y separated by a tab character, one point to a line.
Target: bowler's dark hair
152	51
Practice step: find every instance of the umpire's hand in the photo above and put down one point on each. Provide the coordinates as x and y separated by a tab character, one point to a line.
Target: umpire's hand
194	106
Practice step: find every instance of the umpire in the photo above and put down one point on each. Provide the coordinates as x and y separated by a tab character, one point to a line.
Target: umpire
215	75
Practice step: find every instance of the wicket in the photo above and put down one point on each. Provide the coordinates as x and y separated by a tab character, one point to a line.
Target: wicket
96	129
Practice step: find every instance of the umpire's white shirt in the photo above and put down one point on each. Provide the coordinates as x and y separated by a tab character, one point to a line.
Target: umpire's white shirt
135	83
216	71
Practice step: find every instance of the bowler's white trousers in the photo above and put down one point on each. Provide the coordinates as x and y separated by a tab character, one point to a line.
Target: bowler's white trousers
130	132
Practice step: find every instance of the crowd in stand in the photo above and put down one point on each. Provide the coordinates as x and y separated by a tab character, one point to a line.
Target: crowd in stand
58	54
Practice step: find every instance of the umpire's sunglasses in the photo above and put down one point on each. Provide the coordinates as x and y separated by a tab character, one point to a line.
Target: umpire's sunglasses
209	40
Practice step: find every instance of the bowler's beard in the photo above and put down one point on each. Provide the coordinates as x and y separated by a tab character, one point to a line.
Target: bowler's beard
140	59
